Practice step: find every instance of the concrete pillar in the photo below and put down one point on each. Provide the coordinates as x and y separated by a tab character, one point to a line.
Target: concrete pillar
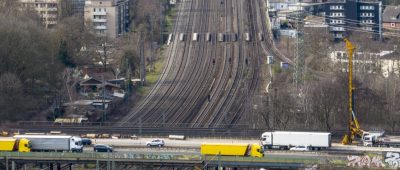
58	166
97	165
70	166
13	165
5	158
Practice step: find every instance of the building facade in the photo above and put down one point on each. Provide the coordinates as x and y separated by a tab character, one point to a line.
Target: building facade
391	18
384	62
48	10
107	17
77	7
343	16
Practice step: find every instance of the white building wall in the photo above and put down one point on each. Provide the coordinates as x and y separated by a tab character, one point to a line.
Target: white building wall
367	62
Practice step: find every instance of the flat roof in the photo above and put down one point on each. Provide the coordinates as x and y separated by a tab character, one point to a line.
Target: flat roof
42	136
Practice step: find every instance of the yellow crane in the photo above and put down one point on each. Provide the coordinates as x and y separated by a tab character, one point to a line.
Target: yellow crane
353	125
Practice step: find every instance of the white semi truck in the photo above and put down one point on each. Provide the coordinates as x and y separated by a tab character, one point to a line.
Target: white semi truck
286	139
58	143
379	139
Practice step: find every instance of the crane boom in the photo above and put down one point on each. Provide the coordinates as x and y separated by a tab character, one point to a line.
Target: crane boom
353	124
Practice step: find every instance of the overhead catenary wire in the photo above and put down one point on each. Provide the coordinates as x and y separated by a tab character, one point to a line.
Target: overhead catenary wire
346	19
358	29
354	28
368	2
349	20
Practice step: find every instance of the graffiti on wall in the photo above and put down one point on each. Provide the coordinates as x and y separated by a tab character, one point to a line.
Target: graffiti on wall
393	159
365	161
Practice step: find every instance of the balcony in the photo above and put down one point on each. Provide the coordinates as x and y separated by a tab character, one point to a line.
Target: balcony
367	16
100	13
52	9
99	20
100	27
49	16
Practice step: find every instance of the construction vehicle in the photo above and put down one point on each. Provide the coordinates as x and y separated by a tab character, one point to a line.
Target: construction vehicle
354	130
253	150
20	145
284	140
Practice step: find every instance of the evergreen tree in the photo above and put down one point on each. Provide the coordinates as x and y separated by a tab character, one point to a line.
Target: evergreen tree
64	56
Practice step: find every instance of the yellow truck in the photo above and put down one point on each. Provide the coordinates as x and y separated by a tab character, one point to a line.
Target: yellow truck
20	145
253	150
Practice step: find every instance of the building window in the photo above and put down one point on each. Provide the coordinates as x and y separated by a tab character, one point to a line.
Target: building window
337	21
336	7
367	7
366	14
392	24
339	36
94	9
336	14
367	21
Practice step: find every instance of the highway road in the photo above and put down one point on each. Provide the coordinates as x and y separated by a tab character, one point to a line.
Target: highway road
193	145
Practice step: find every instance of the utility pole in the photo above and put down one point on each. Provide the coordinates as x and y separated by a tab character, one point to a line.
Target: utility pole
161	22
152	21
103	100
299	47
142	60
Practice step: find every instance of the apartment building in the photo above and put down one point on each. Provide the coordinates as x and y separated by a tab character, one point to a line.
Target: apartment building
107	17
77	7
384	62
344	16
47	9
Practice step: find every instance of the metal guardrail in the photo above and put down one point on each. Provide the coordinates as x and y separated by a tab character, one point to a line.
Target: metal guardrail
269	160
121	156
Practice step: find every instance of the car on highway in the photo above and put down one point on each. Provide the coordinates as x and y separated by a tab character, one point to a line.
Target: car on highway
155	142
300	148
86	141
102	148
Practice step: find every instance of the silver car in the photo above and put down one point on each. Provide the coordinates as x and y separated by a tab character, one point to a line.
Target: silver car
155	142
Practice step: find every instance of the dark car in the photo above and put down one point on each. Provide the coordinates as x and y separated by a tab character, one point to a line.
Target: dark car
102	148
86	141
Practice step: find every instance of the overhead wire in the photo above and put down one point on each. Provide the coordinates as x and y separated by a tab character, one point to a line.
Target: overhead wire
348	26
354	28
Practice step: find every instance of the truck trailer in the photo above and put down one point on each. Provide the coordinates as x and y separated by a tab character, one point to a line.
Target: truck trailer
20	145
286	139
253	150
56	143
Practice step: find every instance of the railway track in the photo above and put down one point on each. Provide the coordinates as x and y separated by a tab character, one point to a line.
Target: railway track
148	102
205	83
